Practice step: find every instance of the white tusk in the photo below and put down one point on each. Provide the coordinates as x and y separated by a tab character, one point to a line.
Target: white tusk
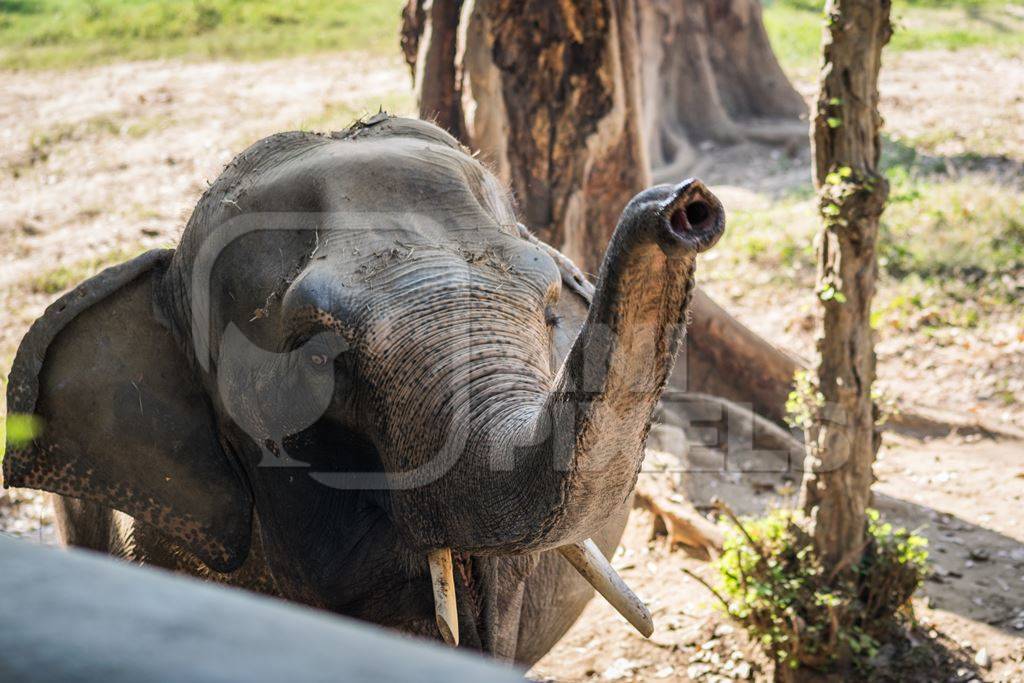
445	612
588	560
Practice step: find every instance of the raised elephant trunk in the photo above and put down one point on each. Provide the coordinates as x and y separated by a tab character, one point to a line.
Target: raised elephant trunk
547	464
485	448
577	460
613	376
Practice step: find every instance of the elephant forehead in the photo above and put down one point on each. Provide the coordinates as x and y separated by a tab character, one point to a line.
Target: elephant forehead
393	245
394	176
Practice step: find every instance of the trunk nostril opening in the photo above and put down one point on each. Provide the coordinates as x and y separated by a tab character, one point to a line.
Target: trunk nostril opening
693	216
697	213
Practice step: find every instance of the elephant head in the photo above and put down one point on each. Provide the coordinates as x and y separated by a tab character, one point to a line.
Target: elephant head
357	344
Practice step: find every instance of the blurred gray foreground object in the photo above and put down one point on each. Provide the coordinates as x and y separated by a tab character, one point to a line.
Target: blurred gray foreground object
76	616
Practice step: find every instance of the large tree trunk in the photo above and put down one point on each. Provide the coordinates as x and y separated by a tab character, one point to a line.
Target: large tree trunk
843	441
727	359
709	73
552	97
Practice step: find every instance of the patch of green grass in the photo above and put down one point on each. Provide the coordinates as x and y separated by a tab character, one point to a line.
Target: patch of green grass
65	277
795	34
794	27
958	26
141	127
68	33
985	141
951	251
962	229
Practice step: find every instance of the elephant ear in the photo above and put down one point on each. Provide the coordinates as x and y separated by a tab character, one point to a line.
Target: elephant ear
124	419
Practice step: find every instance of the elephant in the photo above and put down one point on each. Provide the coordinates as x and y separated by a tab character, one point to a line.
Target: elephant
359	383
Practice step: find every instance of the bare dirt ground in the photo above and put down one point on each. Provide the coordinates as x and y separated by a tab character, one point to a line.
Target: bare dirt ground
100	164
966	498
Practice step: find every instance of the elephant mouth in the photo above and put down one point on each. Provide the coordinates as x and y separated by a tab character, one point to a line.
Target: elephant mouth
449	586
459	588
585	557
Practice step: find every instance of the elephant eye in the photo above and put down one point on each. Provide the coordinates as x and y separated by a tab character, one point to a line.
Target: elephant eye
318	359
550	317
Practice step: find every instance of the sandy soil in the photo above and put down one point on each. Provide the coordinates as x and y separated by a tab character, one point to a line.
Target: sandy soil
112	159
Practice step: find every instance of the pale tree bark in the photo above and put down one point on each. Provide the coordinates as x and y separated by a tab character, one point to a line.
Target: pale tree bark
552	97
852	193
709	74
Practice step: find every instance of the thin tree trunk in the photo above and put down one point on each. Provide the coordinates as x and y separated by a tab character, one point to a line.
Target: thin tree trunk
846	143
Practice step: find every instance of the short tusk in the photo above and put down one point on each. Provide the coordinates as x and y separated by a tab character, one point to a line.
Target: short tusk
588	560
445	612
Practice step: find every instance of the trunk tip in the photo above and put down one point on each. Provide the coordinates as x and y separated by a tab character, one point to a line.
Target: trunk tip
695	215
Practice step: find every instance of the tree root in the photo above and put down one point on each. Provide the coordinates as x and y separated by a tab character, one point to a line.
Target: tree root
681	522
922	422
727	359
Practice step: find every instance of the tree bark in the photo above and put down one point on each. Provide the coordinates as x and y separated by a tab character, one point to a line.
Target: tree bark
428	43
551	95
851	193
709	73
727	359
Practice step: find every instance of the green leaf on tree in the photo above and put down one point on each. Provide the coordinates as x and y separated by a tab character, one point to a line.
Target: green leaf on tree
839	175
830	293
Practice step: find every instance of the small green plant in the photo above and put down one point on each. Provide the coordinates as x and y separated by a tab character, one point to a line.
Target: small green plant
804	613
804	400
